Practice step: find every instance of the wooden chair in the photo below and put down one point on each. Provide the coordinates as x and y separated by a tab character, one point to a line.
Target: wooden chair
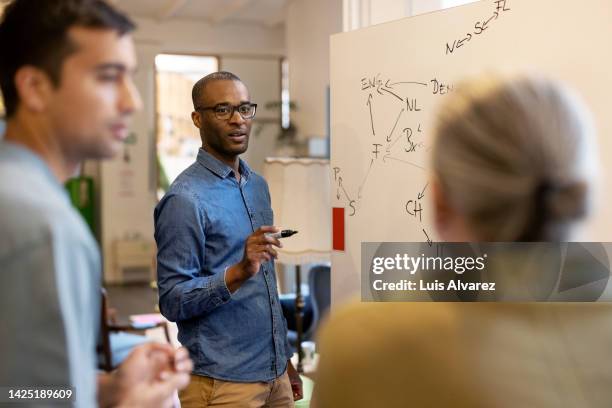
117	340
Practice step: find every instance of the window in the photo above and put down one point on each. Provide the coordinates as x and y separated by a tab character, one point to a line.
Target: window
285	98
426	6
453	3
178	139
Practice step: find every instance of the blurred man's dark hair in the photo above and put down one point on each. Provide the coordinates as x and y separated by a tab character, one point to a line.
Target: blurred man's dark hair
35	32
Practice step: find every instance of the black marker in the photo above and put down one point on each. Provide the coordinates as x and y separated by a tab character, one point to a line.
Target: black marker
283	234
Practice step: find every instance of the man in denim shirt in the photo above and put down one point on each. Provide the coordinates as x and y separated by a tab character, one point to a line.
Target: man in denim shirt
216	274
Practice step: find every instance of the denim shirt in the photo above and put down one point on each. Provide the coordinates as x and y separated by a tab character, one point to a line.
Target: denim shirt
201	226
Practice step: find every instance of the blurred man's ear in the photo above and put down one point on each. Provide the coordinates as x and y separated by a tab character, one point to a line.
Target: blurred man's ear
34	88
197	119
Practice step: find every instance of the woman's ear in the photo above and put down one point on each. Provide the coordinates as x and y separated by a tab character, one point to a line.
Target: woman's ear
451	224
440	206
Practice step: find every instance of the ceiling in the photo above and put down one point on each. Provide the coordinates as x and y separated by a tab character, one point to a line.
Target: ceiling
269	13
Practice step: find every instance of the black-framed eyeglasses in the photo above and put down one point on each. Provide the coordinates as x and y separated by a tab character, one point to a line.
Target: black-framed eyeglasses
225	111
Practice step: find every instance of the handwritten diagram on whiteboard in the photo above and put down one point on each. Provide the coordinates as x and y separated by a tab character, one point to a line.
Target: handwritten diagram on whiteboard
387	82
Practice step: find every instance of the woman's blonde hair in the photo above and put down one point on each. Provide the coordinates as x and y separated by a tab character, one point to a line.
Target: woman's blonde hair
512	156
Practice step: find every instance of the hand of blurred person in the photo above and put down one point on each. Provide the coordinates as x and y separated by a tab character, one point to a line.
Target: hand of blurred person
151	375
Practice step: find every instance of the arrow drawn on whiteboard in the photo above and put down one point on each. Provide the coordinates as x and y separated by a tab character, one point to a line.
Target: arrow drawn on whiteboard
394	94
393	144
365	179
428	240
386	156
413	83
346	194
341	186
422	193
369	103
392	130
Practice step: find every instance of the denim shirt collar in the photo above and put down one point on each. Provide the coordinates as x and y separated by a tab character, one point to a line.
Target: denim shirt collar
222	169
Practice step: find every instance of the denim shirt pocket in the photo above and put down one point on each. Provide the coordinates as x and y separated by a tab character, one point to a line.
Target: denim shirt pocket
266	217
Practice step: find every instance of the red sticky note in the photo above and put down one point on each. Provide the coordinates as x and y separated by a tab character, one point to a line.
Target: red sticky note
338	229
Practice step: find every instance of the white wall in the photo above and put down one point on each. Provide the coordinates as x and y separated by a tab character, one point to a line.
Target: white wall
262	77
127	194
203	38
363	13
308	25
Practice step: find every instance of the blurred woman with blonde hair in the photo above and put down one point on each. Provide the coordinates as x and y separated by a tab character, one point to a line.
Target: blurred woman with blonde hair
512	161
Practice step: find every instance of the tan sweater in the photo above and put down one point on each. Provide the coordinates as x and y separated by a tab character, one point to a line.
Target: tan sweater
466	355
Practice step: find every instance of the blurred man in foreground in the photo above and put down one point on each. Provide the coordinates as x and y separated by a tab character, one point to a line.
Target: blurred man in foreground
66	77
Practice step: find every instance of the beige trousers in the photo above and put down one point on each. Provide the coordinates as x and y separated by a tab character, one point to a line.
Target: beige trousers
209	392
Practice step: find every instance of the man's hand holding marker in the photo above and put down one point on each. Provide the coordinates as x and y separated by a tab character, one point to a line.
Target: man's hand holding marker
259	248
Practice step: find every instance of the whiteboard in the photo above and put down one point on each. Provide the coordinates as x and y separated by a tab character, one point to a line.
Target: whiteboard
387	80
